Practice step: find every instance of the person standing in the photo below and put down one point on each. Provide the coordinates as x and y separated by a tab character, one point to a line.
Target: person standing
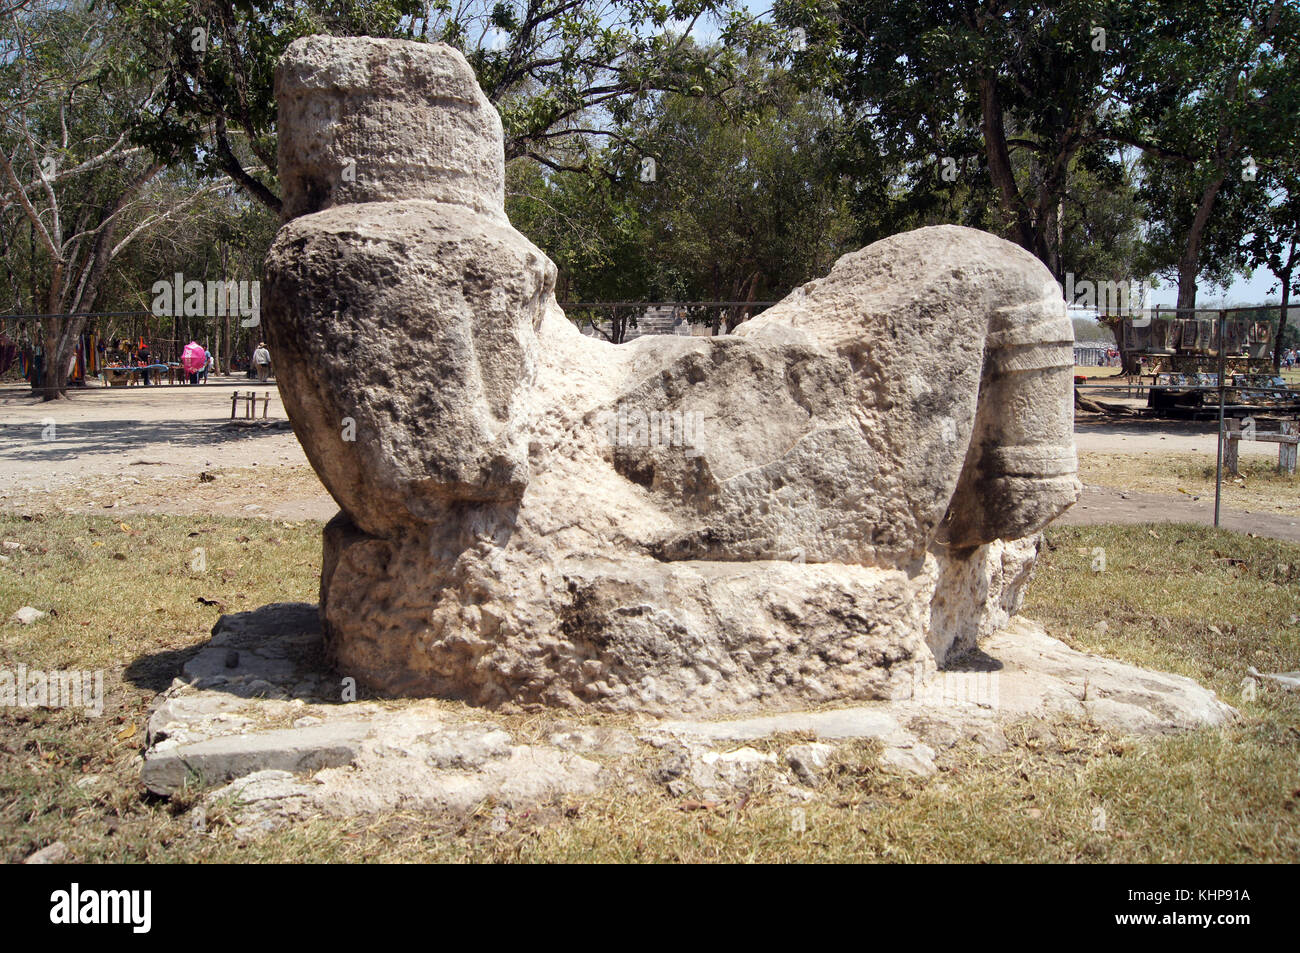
143	359
262	360
208	362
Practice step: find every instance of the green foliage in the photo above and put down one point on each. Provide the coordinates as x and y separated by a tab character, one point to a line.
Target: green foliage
983	114
1216	110
558	70
214	109
1037	112
745	201
90	221
744	206
63	172
589	224
777	148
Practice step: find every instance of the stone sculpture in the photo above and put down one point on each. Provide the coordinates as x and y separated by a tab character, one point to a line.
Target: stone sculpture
824	505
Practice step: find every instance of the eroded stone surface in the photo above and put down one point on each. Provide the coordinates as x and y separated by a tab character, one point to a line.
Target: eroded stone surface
815	508
402	425
1041	675
386	121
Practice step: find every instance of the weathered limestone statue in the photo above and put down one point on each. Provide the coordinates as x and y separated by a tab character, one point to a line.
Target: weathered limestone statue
829	502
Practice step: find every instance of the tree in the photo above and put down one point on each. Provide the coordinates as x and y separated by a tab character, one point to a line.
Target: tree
1275	245
557	70
950	92
1102	233
590	225
215	108
223	235
746	201
1218	93
1039	99
67	170
731	197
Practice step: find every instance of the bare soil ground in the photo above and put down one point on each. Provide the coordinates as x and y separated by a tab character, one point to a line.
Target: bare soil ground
1137	471
157	449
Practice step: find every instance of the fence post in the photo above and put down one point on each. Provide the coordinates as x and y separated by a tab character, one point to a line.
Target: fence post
1231	446
1286	452
1218	460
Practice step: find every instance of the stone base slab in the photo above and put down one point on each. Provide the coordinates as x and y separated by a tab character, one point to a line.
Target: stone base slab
259	718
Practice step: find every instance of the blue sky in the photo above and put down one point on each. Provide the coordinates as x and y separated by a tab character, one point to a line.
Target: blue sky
1253	290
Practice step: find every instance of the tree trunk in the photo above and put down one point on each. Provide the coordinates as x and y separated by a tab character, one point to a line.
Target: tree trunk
61	331
716	324
741	313
1189	265
1286	298
43	383
998	156
58	342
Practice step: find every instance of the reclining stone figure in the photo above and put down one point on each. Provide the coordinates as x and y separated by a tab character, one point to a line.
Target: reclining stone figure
826	504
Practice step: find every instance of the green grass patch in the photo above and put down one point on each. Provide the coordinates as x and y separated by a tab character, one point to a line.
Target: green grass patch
1182	598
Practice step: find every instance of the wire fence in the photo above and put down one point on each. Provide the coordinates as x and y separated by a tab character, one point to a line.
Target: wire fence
1222	361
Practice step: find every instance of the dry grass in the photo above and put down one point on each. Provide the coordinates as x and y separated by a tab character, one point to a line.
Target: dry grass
1196	601
228	489
1181	598
1092	371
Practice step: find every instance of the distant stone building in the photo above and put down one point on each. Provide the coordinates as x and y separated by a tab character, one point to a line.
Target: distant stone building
1091	353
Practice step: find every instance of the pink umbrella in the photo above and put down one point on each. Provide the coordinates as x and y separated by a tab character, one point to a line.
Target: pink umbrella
193	358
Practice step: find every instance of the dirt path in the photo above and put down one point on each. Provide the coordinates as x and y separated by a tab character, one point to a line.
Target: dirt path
159	431
137	449
1108	435
1100	504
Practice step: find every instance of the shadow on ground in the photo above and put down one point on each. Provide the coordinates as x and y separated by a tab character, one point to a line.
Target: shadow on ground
275	651
27	443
